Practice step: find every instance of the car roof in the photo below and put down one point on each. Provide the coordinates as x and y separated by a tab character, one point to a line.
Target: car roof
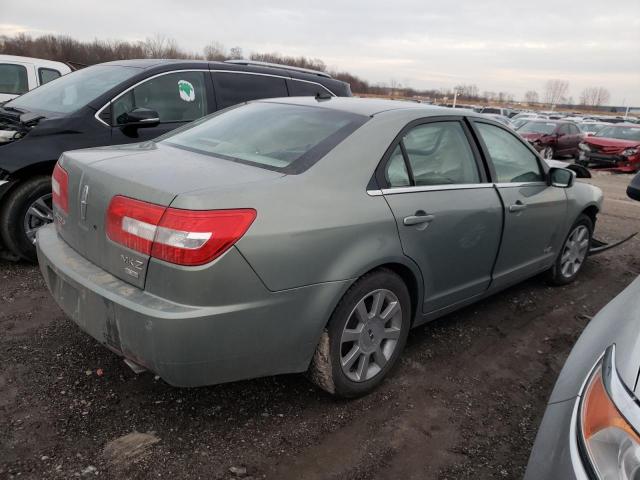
369	106
37	61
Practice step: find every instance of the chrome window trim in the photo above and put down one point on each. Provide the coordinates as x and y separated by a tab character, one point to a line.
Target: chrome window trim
459	186
520	184
427	188
97	114
275	76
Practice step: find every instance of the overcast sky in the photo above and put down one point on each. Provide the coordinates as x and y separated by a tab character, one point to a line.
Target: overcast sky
508	46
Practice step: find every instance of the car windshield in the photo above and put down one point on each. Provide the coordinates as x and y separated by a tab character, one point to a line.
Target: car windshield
537	127
590	127
491	110
620	132
73	91
281	137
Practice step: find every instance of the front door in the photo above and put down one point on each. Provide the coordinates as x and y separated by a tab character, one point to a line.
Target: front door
178	97
534	211
448	216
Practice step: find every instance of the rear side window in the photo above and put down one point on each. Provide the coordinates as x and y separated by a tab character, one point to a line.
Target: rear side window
47	74
512	160
436	154
13	79
277	136
305	89
234	88
177	97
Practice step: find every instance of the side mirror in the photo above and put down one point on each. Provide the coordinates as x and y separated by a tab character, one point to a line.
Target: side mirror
561	177
139	117
633	190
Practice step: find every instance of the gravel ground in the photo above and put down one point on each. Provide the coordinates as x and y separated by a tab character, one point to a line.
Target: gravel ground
464	402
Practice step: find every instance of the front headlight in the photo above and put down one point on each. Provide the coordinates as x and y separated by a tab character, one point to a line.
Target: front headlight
608	437
629	152
584	147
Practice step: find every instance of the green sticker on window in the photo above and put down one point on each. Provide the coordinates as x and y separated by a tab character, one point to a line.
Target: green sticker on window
186	90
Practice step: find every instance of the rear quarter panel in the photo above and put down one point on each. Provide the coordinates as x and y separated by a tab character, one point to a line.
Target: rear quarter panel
320	225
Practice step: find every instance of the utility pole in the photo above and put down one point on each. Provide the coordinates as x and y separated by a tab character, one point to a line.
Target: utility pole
455	97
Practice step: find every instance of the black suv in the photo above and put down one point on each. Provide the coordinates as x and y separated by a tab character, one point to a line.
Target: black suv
114	103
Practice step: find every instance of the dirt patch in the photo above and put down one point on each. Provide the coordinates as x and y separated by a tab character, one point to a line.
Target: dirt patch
464	402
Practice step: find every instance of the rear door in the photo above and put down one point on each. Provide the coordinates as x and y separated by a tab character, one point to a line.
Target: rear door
179	98
448	215
534	211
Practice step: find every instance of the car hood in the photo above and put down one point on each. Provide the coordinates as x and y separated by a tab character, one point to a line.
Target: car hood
617	323
532	137
611	145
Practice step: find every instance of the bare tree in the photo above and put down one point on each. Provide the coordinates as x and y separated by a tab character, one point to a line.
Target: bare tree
555	90
531	96
594	96
235	53
215	51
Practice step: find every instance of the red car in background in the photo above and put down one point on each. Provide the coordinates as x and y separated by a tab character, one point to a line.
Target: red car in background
552	138
616	147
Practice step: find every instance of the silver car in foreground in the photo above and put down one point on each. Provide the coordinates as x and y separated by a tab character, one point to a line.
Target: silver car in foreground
292	235
591	428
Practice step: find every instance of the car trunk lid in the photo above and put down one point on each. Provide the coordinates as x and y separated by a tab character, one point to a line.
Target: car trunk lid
147	172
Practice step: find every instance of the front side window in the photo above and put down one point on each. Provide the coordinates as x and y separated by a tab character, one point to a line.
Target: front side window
436	154
512	160
177	97
276	136
47	74
304	89
75	90
234	88
13	79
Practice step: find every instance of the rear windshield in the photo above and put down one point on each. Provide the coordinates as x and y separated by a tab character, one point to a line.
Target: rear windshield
276	136
622	133
73	91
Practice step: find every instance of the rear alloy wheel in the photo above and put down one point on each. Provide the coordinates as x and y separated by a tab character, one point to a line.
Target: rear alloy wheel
548	153
574	252
364	337
26	209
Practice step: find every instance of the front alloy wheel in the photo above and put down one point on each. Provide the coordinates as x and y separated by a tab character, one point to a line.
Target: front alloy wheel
573	253
365	335
547	153
39	214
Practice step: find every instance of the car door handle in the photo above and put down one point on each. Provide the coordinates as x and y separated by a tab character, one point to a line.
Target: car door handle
517	207
418	219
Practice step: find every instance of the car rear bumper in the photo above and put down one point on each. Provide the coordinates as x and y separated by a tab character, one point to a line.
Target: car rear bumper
268	333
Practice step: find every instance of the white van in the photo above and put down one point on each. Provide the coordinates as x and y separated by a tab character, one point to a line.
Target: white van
21	74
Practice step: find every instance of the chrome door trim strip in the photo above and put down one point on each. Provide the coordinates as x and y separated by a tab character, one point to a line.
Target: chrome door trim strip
519	184
428	188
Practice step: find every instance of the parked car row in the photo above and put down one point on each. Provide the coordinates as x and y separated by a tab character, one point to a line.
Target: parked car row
119	103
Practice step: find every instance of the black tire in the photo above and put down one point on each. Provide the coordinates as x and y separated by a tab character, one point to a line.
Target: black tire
555	275
326	369
14	210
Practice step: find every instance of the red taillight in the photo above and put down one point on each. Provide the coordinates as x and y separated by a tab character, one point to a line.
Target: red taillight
184	237
133	223
60	188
